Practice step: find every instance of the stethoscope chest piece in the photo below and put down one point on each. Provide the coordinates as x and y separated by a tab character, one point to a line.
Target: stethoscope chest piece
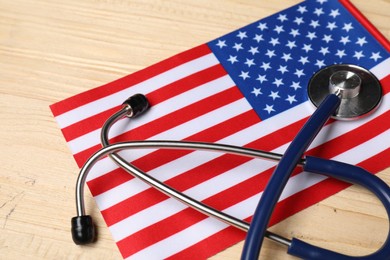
359	90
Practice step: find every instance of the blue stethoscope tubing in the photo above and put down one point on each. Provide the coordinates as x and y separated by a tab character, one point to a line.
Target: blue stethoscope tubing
282	173
355	175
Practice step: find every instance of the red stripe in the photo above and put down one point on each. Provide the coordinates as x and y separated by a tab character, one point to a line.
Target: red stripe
385	82
213	134
129	80
366	24
171	120
96	121
211	245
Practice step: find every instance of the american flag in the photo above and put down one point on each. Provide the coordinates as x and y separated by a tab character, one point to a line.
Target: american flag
246	88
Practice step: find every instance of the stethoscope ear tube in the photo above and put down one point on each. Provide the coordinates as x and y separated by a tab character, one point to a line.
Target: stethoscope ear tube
83	230
354	175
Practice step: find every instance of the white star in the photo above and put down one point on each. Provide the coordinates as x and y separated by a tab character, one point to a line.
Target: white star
318	11
244	75
221	44
347	27
269	109
340	53
295	85
286	57
241	35
324	50
298	20
257	91
262	26
249	62
274	41
291	44
294	32
344	40
232	59
302	9
270	53
237	46
327	38
322	1
282	17
334	13
274	95
265	66
253	50
361	41
307	47
278	82
299	73
358	55
314	24
262	78
331	26
304	60
258	37
291	99
320	63
311	35
279	29
375	56
283	69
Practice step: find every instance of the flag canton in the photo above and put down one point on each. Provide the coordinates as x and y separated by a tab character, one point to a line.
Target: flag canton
272	60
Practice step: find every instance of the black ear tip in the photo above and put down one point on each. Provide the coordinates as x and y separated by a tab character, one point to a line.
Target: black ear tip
138	103
83	230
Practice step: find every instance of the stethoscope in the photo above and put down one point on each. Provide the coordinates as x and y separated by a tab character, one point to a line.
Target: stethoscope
340	91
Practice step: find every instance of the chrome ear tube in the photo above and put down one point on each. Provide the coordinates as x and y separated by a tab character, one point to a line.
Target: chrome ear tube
83	229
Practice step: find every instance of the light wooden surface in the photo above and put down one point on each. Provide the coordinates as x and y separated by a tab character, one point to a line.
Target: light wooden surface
51	50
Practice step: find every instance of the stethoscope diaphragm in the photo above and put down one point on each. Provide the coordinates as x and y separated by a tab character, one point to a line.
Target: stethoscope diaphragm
359	90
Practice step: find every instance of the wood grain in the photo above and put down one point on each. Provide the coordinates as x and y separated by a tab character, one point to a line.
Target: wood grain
51	50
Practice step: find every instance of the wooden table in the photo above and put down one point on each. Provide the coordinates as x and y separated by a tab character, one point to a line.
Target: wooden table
50	50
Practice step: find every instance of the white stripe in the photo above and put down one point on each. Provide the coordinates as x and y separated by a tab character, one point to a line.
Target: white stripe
244	209
382	69
173	104
145	87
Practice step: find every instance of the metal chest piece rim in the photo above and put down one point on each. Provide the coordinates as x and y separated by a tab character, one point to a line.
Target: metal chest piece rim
359	90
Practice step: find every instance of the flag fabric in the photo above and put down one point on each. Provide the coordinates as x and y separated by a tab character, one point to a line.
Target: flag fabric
247	88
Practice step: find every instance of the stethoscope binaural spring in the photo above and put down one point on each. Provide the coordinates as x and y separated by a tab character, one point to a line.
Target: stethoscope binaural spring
342	91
